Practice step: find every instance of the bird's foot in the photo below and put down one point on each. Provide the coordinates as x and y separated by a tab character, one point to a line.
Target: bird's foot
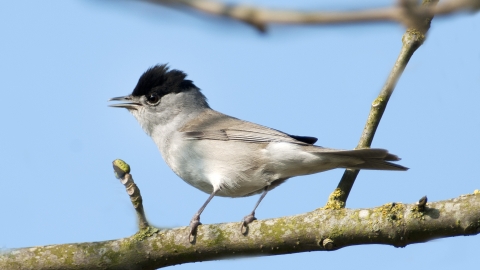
194	226
247	220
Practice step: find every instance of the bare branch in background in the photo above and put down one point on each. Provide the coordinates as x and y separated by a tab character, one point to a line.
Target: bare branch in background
407	12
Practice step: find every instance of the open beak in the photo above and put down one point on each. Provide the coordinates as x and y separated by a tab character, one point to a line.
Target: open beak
127	105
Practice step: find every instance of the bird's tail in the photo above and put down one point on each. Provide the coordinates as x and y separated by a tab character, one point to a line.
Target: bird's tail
366	159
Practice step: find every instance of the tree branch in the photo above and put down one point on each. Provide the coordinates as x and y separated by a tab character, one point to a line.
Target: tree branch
411	41
393	224
407	12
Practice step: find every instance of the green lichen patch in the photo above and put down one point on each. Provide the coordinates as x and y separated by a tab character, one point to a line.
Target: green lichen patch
145	233
417	213
334	201
392	211
214	236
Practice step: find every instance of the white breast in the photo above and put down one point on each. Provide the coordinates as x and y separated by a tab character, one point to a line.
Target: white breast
232	168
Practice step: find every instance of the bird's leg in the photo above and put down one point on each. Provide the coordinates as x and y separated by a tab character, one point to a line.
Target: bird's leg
196	218
251	217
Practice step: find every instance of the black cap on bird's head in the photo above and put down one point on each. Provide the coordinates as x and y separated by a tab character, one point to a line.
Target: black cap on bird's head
161	80
154	83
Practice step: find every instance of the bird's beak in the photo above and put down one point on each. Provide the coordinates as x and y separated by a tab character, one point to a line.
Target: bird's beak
128	105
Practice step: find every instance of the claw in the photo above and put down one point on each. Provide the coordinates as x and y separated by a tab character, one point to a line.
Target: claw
247	220
194	226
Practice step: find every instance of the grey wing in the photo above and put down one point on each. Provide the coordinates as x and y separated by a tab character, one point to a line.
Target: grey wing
212	125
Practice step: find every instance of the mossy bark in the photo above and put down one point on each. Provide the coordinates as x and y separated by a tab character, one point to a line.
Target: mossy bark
393	224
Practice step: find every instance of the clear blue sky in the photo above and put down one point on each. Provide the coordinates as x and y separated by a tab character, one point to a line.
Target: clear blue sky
62	60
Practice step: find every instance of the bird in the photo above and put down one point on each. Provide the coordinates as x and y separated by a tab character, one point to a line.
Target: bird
225	156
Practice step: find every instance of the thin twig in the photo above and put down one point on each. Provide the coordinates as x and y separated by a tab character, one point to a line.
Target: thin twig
412	40
122	172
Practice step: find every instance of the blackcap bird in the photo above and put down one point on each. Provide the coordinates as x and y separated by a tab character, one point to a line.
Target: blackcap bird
225	156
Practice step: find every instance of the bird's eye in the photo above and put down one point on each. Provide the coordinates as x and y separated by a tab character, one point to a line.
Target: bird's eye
152	98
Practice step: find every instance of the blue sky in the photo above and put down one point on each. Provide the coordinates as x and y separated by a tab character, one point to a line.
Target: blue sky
62	60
